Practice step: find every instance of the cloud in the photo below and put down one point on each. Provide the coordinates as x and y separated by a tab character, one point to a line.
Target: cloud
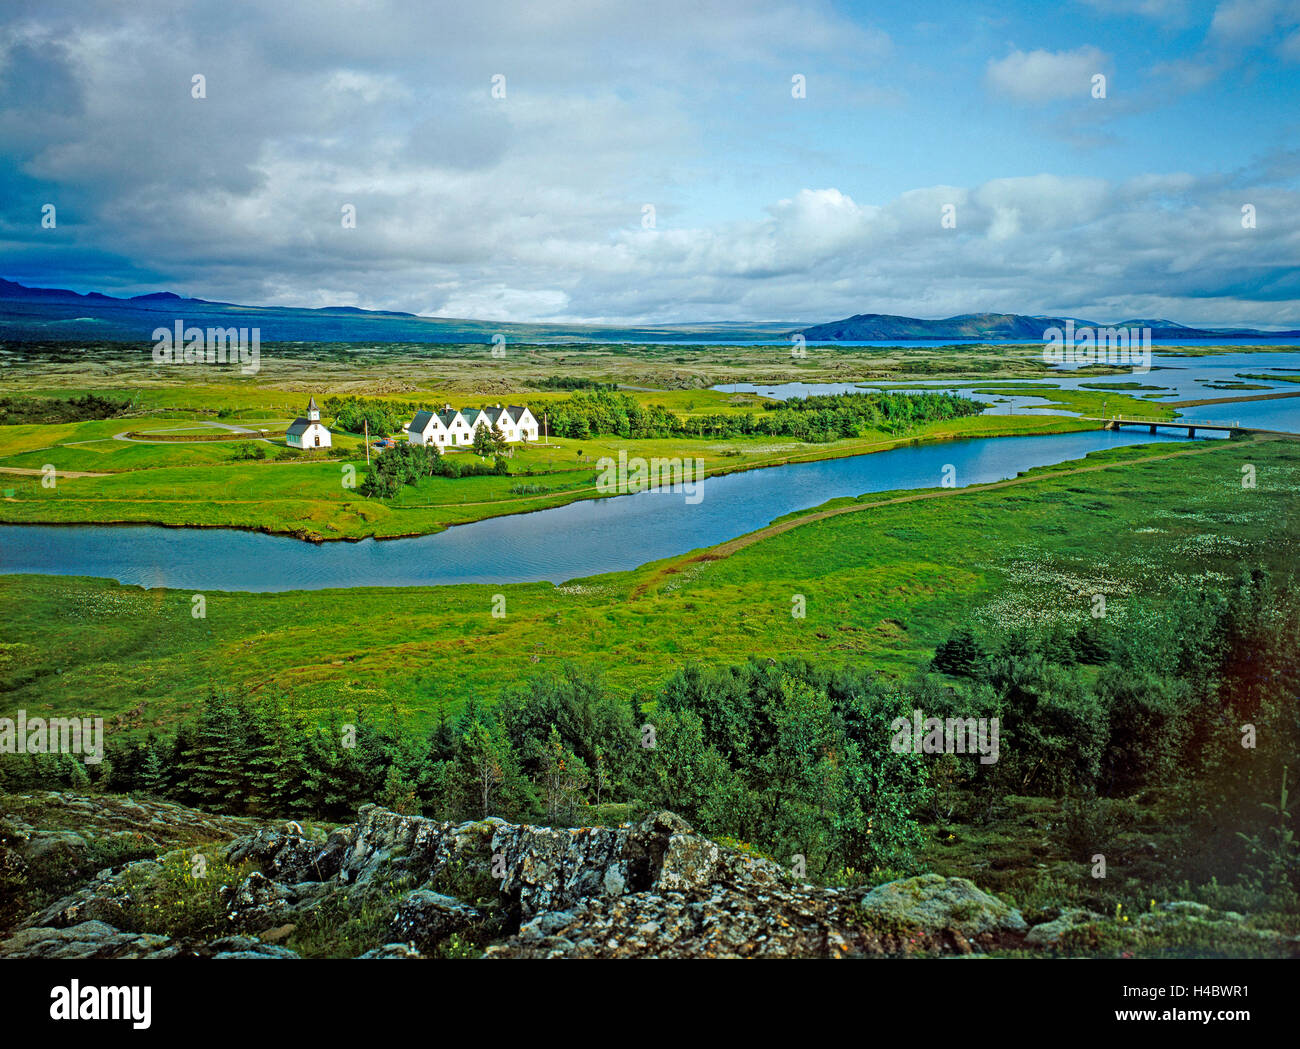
528	208
1174	12
1289	48
1239	31
1046	76
1239	22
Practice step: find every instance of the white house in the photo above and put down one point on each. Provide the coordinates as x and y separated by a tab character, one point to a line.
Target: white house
309	432
455	429
525	423
500	418
428	428
516	422
474	418
460	425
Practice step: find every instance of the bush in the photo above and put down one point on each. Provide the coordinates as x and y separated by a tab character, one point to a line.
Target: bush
184	898
247	451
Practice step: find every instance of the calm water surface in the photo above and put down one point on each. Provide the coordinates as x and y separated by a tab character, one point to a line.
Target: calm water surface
581	539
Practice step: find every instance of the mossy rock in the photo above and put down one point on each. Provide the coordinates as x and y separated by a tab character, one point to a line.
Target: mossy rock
935	905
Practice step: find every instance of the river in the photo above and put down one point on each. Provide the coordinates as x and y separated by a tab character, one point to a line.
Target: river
581	539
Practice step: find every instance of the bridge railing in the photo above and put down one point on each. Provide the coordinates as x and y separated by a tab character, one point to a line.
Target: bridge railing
1172	422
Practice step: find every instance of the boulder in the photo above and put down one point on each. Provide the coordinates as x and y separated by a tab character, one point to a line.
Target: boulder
424	919
1048	934
934	906
104	899
239	947
257	902
87	940
393	950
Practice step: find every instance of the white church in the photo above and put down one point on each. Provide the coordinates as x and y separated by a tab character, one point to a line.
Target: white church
449	428
309	432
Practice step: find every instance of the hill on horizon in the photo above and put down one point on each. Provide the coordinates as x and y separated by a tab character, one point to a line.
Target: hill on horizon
32	314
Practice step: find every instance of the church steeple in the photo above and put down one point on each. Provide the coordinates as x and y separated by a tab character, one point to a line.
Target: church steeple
313	413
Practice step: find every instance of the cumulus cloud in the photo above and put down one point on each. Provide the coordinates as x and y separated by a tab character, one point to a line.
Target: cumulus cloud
1046	76
529	207
1040	244
1242	21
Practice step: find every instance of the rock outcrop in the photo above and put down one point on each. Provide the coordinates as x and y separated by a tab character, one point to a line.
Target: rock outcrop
414	887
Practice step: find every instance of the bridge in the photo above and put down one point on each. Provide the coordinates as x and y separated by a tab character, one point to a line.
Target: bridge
1117	422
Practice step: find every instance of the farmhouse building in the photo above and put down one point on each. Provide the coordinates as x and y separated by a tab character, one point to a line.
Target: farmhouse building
453	429
308	432
427	428
516	422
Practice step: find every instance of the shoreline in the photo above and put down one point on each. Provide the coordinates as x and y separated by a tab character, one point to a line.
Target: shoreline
656	569
591	493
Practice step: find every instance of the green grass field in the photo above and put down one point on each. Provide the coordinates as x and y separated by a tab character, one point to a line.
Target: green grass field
200	483
882	586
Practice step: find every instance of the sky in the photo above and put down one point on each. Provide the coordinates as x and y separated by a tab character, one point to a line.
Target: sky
686	160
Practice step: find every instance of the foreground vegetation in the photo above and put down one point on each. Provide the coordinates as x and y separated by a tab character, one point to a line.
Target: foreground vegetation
1179	723
882	586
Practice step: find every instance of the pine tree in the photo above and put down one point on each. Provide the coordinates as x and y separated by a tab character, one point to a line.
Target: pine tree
153	772
961	655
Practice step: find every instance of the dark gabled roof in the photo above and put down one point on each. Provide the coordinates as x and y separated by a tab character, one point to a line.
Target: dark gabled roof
300	426
493	414
421	422
447	417
516	411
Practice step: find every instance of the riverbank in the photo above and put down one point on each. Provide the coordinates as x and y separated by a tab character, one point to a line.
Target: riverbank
881	588
190	483
1233	400
312	502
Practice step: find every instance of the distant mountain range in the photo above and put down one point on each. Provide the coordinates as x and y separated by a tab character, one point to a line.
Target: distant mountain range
870	327
29	314
167	300
40	314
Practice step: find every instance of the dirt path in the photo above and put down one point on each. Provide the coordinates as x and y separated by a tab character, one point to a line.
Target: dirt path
61	473
731	546
234	433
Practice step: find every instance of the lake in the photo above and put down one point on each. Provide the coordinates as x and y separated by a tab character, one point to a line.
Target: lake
568	542
1175	377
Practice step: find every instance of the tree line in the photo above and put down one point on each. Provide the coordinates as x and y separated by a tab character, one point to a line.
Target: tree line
1188	703
813	419
407	463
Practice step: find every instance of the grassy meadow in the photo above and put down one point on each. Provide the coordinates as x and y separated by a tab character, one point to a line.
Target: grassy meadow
884	578
881	580
132	468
